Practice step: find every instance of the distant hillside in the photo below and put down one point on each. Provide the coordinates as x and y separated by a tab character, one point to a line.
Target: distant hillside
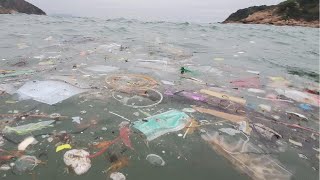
290	12
19	6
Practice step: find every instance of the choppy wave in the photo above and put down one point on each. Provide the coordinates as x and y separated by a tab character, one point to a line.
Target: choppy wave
264	47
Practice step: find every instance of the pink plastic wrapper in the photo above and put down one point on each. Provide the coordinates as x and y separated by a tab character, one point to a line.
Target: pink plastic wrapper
124	135
194	96
253	82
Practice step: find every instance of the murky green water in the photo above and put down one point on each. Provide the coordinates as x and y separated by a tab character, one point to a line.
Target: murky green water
63	49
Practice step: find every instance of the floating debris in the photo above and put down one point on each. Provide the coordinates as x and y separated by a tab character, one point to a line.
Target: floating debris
155	160
229	131
161	124
78	160
295	143
119	164
117	176
26	142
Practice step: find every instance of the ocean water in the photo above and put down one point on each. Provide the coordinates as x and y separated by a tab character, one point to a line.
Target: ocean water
84	51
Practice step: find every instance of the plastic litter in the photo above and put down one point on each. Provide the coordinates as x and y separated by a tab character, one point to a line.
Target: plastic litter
27	128
131	82
218	59
78	160
49	92
258	91
119	116
277	78
8	88
102	68
250	123
16	73
246	156
253	82
50	38
104	147
167	82
26	142
124	135
117	176
62	147
266	132
253	72
77	119
155	160
46	63
223	96
25	164
192	126
139	98
160	124
102	144
184	70
5	167
302	156
264	107
189	110
295	143
1	141
300	116
118	164
229	131
244	127
193	96
306	107
299	96
230	117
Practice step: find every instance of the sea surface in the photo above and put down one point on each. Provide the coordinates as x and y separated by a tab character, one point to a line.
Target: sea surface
84	51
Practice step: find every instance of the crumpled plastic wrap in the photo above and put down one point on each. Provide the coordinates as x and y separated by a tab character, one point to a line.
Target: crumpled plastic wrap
246	156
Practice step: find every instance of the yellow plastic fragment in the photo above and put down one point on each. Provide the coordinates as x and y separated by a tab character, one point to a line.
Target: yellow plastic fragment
62	147
223	96
230	117
218	59
277	78
10	102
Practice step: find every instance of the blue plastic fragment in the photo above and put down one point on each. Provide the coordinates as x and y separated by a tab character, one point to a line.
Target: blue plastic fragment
306	107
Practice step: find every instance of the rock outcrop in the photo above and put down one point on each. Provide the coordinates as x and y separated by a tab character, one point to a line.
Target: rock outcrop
290	13
19	6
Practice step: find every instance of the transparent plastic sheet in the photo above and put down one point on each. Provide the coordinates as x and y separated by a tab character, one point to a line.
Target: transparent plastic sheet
102	68
155	160
246	156
161	124
143	99
25	164
27	128
49	92
299	96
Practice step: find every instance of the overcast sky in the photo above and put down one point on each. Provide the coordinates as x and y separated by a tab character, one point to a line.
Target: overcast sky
165	10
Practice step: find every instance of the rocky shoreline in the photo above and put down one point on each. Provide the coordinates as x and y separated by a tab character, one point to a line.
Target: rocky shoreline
271	15
19	6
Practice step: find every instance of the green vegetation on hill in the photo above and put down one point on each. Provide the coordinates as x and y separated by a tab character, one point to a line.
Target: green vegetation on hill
299	9
244	13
